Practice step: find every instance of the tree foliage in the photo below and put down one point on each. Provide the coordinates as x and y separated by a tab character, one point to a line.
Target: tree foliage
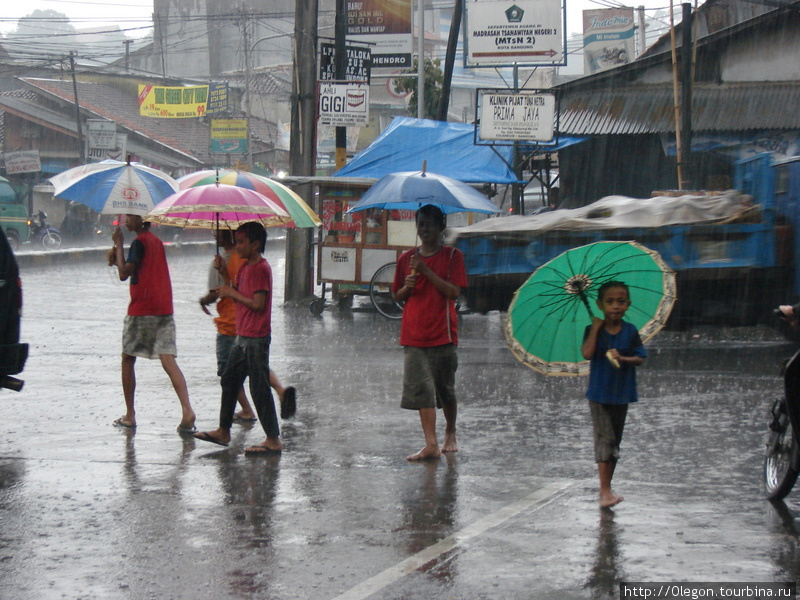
44	22
434	80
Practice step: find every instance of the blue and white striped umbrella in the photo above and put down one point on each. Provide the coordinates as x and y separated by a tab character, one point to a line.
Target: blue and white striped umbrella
114	187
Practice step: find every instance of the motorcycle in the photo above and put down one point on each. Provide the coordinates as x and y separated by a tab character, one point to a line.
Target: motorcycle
41	232
782	460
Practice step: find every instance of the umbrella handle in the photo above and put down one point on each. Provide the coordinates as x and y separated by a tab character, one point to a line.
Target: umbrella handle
585	301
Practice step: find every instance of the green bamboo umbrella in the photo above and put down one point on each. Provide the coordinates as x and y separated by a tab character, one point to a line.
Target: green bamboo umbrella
549	314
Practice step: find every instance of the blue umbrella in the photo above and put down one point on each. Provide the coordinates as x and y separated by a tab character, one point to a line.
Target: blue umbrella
115	187
410	190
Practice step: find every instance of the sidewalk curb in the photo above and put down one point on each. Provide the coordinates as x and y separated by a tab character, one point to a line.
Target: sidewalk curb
72	255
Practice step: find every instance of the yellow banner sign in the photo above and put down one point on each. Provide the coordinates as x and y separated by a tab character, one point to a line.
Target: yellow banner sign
179	102
223	129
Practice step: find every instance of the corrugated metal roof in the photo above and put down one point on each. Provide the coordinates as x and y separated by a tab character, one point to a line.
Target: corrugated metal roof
650	109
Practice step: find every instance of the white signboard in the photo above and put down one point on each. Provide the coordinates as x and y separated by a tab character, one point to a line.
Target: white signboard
343	104
118	152
607	38
520	116
26	161
102	134
338	264
526	32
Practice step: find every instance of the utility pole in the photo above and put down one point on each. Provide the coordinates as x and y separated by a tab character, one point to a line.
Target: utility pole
247	106
127	54
81	151
686	96
299	273
340	74
449	60
420	59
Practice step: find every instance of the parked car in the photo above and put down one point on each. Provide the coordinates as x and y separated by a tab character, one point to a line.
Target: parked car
13	354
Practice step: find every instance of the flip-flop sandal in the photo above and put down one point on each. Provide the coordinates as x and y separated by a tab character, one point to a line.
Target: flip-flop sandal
184	429
289	404
240	419
207	437
255	450
120	423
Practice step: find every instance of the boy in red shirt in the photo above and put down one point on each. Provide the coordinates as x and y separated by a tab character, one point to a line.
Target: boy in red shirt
250	353
429	279
149	329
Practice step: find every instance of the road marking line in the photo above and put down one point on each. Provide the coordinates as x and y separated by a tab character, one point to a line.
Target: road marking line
383	579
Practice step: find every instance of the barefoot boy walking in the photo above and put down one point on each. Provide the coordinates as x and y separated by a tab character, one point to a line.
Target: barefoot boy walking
429	279
615	350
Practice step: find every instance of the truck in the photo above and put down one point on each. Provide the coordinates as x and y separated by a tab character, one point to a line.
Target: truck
13	215
736	253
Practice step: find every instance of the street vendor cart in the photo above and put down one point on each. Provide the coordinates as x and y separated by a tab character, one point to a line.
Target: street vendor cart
357	252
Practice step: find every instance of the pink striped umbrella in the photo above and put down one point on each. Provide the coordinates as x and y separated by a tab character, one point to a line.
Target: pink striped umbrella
217	206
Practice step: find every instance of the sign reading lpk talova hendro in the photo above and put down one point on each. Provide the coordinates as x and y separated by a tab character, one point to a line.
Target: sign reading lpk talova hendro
343	104
526	32
517	116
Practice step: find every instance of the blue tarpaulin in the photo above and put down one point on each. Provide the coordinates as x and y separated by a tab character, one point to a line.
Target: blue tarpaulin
448	148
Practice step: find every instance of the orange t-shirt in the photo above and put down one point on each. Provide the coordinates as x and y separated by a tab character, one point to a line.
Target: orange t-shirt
226	307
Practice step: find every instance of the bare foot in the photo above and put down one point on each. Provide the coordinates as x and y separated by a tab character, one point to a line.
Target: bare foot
609	499
267	446
450	443
425	453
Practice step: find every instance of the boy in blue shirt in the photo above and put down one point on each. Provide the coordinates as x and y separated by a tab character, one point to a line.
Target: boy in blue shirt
614	349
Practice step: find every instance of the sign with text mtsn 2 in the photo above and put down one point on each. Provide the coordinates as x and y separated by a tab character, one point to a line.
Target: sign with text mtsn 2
516	116
504	32
343	104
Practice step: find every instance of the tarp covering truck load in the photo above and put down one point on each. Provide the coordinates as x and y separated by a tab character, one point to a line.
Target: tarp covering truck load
735	252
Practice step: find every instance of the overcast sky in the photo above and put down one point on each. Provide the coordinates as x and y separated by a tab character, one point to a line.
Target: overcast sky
133	15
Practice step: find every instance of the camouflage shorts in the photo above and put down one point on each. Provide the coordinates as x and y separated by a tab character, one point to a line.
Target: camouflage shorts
149	336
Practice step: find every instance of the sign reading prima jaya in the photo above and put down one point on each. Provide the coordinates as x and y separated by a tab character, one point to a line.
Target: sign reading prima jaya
174	102
526	32
517	116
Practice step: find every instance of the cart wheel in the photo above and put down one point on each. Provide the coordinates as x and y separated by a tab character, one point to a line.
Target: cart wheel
317	306
380	292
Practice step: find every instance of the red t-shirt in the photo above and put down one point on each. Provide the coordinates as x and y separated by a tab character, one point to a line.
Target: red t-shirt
429	317
151	288
254	278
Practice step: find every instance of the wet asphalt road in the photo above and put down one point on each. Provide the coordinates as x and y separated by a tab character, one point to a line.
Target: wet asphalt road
91	511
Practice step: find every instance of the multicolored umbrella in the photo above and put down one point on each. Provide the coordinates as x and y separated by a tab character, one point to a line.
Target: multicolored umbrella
411	190
548	316
114	187
217	206
301	213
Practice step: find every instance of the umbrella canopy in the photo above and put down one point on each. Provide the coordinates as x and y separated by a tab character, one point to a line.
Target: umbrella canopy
411	190
548	316
215	206
301	213
113	187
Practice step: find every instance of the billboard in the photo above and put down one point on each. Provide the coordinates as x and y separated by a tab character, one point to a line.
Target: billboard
525	32
517	116
180	102
343	104
386	25
229	136
608	39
